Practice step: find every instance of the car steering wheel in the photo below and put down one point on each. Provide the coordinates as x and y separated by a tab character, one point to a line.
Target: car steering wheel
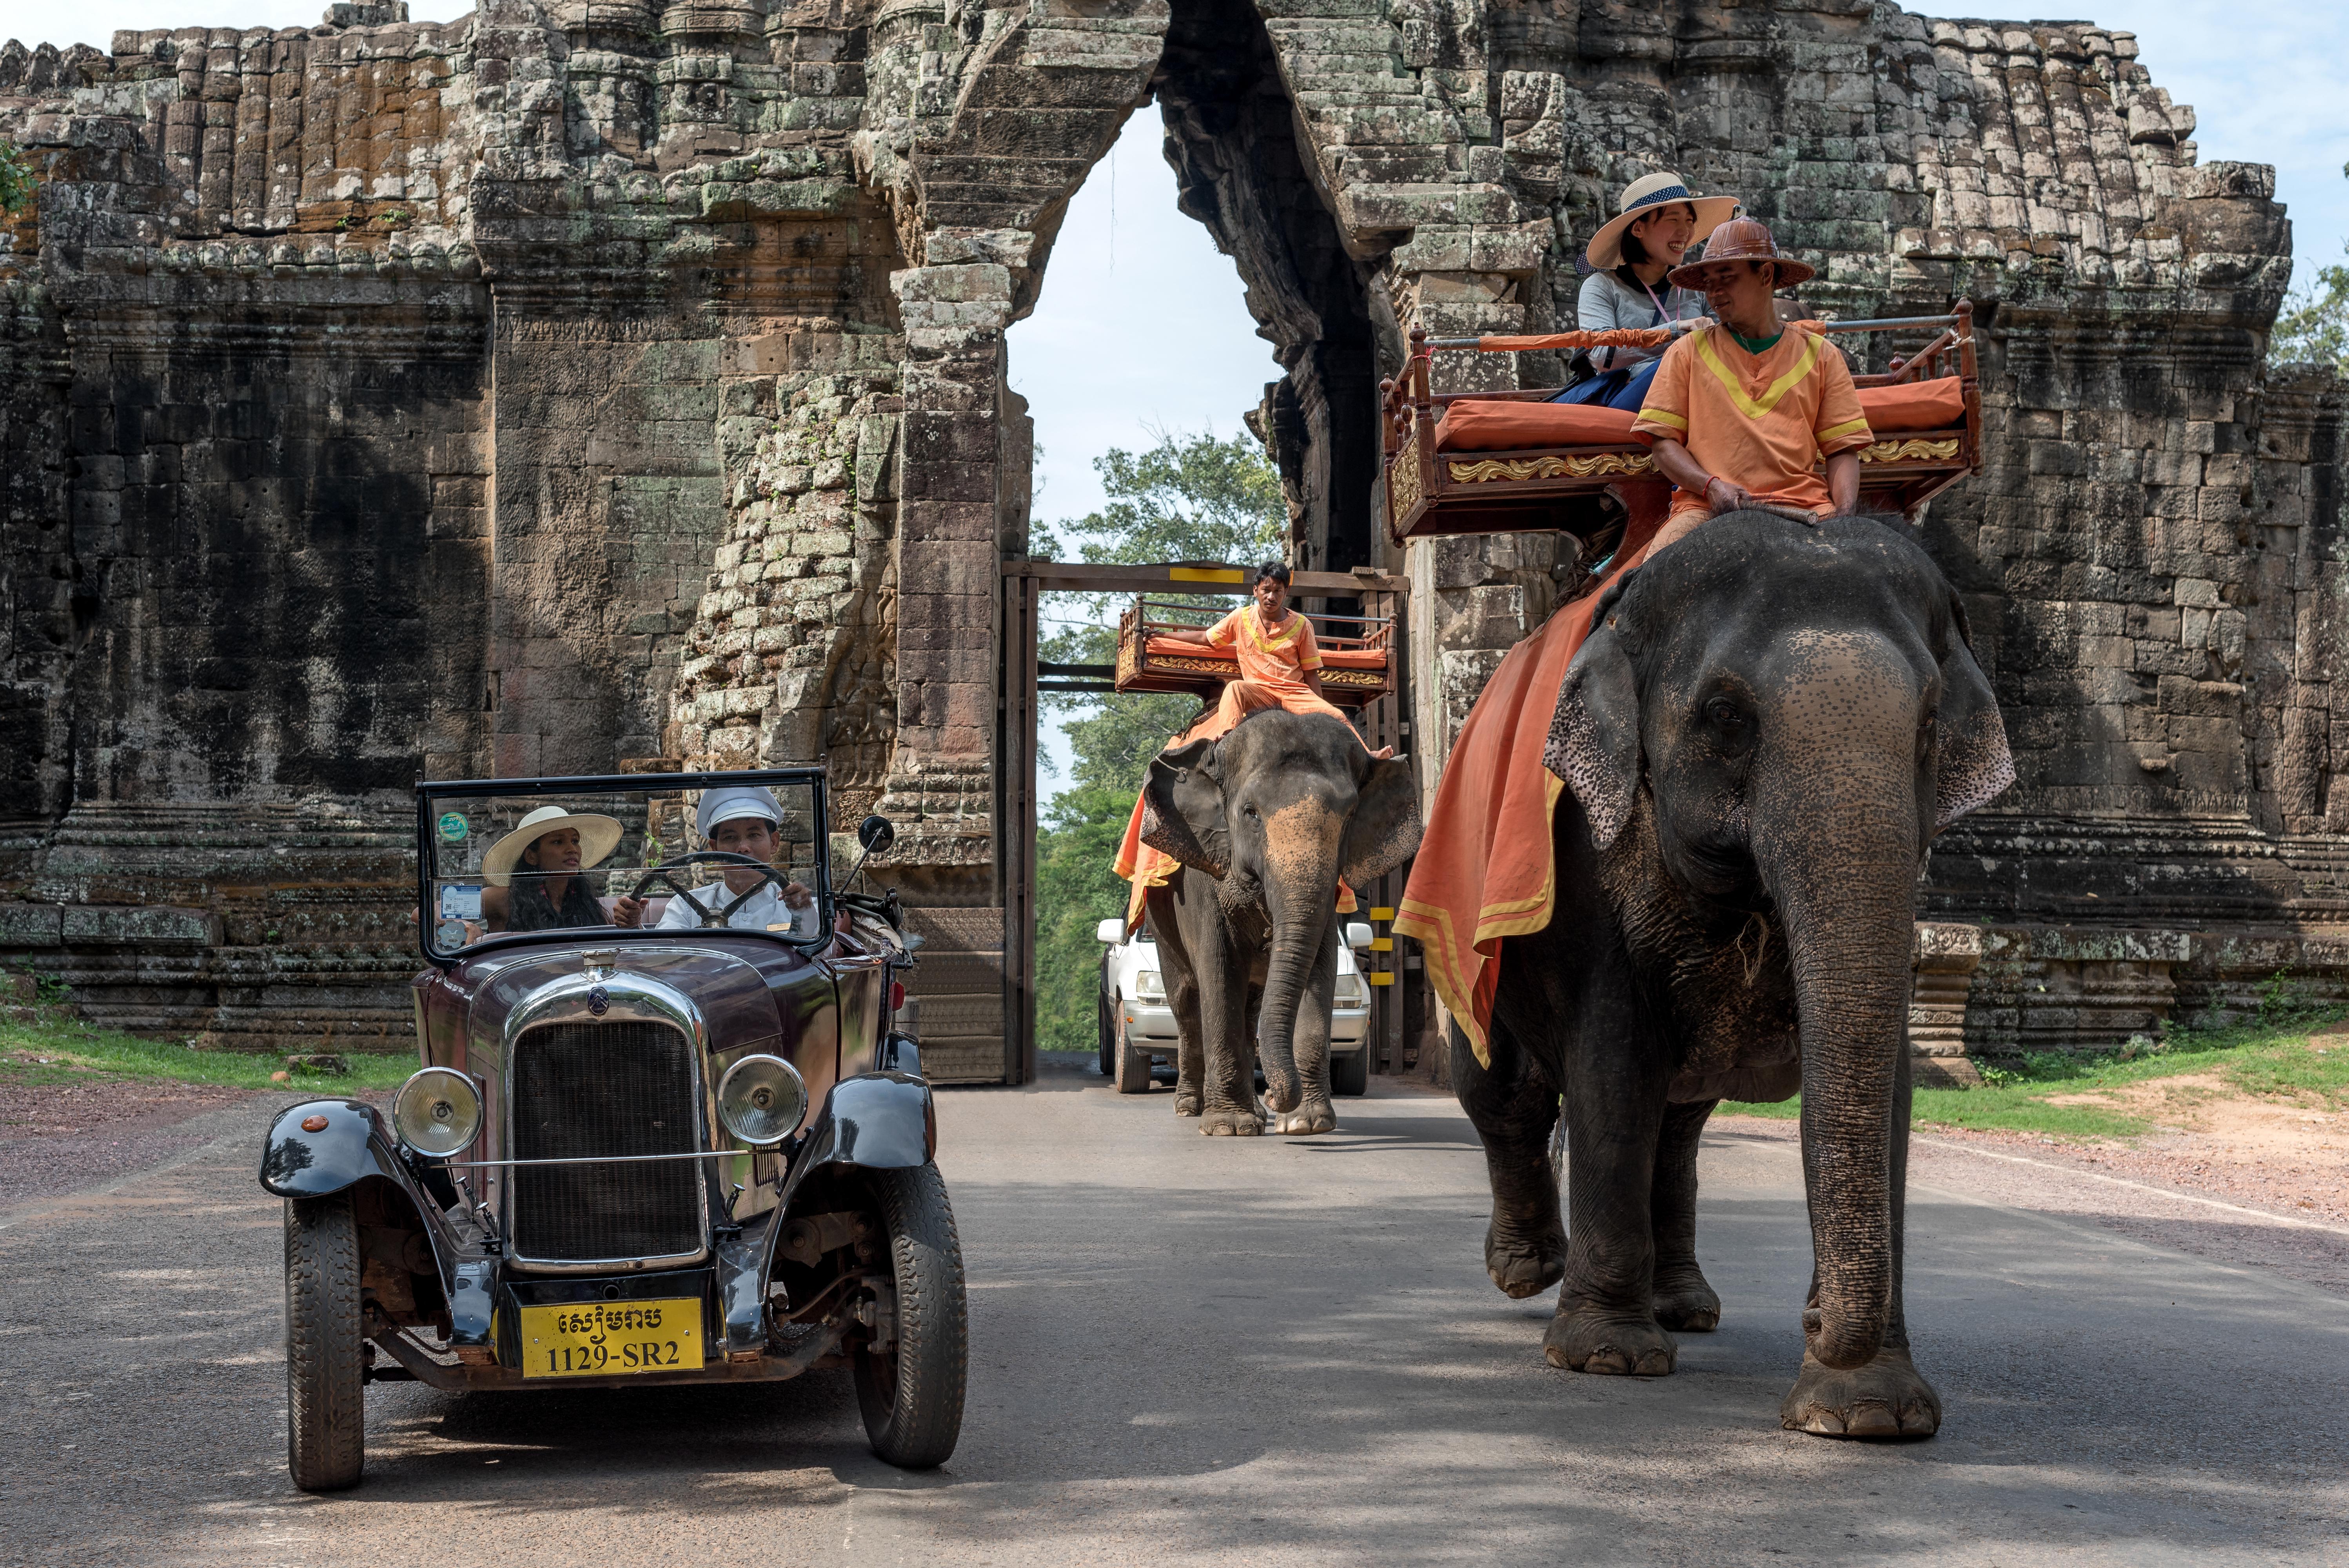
661	874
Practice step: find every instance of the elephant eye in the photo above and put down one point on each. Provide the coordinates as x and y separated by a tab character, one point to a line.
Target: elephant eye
1723	713
1248	810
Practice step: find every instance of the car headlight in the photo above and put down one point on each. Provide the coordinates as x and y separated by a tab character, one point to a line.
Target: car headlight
762	1101
438	1113
1351	992
1148	987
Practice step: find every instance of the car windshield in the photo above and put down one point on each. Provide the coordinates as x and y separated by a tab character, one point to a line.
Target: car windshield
635	854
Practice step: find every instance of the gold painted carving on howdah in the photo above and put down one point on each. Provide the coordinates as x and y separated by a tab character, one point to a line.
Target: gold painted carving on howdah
1403	483
1604	465
1909	452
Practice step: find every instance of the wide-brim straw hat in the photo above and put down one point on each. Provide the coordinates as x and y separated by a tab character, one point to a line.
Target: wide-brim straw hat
598	837
1744	240
1643	198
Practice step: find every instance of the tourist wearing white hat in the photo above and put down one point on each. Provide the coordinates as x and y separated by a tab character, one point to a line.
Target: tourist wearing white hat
533	875
1657	221
744	820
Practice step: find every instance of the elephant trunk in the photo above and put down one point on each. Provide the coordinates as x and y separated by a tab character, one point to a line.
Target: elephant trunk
1839	857
1300	889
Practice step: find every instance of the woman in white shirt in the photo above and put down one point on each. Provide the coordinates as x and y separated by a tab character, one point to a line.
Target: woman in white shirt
744	820
1659	221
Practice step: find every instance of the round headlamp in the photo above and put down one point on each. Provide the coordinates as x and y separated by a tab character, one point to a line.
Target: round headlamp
438	1113
762	1100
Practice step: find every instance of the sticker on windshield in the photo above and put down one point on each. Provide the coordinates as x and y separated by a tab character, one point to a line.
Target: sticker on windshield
453	827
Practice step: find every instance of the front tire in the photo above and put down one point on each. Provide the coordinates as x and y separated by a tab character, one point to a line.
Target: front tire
1133	1067
911	1395
1105	1029
326	1370
1350	1074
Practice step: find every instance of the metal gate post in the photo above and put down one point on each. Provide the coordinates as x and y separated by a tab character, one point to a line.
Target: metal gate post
1016	834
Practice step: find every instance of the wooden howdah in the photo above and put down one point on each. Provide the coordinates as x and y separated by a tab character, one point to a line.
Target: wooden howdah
1358	654
1431	493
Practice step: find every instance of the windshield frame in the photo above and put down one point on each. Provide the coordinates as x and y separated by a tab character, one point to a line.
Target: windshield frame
428	791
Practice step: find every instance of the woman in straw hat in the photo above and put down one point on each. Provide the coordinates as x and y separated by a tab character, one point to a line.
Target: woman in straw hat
533	875
1630	288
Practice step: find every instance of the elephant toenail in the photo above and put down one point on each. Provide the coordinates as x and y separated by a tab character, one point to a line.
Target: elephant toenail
1825	1422
1870	1419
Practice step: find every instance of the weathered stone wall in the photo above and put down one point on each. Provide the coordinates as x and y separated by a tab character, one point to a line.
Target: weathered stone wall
583	386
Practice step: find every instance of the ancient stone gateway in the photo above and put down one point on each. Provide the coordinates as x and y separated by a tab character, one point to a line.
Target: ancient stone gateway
605	384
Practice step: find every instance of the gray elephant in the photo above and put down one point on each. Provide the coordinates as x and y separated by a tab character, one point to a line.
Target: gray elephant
1766	727
1265	822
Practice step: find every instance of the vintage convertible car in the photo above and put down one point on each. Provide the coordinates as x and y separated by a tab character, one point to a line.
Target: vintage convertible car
663	1130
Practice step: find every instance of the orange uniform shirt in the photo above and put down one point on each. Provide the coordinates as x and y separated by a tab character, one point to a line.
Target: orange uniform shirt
1277	659
1763	421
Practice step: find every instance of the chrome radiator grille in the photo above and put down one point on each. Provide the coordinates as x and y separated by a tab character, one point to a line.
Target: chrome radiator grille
600	1089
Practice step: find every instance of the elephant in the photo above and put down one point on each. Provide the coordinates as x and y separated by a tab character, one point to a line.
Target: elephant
1265	822
1765	728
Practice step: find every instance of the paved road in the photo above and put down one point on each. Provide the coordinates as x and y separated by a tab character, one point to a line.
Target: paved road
1192	1350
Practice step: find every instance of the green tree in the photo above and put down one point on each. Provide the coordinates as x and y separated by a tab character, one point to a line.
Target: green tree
2313	326
1192	498
15	179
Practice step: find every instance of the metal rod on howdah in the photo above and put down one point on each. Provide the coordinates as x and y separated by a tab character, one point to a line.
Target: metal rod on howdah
1564	339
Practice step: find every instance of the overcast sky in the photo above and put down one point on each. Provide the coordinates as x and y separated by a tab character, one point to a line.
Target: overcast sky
1141	326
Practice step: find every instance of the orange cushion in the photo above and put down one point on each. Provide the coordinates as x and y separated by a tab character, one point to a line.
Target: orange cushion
1494	427
1181	649
1936	404
1355	658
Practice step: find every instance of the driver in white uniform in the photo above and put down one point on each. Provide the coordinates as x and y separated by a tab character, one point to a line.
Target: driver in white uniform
743	820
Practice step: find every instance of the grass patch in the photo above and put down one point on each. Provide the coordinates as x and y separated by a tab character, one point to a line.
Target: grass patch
54	1049
2278	1057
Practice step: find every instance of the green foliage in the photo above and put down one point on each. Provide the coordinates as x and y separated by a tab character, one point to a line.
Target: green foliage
2275	1056
1075	891
15	179
2312	328
1195	498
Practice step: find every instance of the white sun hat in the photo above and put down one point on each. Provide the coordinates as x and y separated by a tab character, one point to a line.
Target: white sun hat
598	837
1644	198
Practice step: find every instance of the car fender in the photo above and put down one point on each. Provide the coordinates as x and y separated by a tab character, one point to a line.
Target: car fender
883	1122
300	1159
302	1162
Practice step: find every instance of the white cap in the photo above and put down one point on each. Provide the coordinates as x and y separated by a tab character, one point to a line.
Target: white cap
735	800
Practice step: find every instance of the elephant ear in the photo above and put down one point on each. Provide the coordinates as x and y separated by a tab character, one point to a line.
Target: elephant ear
1975	765
1183	808
1384	829
1594	737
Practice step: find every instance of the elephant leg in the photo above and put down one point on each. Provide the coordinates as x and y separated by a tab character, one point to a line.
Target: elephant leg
1181	983
1684	1300
1227	1086
1606	1319
1887	1398
1513	1106
1314	1111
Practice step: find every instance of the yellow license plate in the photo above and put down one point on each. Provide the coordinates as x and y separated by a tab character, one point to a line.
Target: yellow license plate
599	1338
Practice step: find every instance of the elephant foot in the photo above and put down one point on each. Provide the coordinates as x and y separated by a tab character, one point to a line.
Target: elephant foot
1522	1268
1586	1339
1307	1119
1187	1101
1888	1398
1229	1124
1684	1303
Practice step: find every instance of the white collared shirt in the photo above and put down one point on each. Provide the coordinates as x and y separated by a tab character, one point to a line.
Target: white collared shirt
764	910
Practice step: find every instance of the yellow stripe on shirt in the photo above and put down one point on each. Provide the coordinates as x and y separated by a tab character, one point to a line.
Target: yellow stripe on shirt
1751	408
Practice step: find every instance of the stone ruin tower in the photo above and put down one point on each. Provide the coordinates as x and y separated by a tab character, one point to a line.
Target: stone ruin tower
589	385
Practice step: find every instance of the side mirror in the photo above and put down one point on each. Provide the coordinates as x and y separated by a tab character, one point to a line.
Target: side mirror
1112	931
876	834
1357	934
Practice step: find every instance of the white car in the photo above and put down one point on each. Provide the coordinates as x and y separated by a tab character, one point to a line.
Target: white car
1137	1026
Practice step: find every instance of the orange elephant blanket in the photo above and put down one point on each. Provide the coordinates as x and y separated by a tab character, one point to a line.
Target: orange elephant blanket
1485	872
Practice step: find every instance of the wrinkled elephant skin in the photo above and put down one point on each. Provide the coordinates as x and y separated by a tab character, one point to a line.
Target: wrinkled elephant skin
1265	822
1761	733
